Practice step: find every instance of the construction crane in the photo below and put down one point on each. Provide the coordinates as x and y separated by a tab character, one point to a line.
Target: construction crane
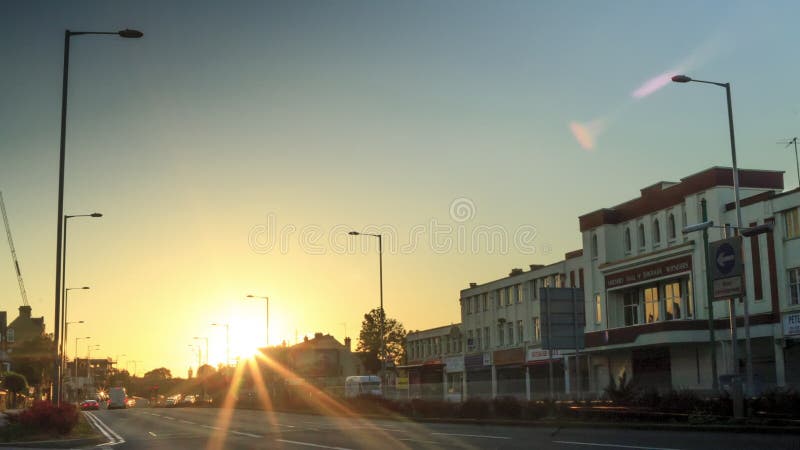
13	253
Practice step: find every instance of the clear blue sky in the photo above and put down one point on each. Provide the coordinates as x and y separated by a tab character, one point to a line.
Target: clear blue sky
339	115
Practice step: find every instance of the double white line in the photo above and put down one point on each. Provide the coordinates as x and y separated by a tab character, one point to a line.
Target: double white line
111	435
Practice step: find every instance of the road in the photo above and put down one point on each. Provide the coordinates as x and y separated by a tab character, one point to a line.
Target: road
211	429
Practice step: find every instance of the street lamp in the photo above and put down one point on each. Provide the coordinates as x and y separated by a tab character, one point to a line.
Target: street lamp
76	353
66	328
748	357
206	339
64	340
382	313
126	33
116	359
227	341
267	301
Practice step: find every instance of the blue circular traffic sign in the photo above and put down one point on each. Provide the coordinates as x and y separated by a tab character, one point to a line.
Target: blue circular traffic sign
725	258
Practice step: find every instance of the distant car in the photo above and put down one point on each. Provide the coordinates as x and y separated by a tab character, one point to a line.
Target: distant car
130	402
172	401
87	405
188	400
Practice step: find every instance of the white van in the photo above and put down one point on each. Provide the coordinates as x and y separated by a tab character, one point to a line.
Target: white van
362	385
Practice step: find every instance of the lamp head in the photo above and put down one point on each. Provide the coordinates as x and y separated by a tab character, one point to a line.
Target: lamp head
128	33
354	233
681	79
95	215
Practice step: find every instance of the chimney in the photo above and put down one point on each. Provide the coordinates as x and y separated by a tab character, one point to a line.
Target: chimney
515	271
472	285
347	342
305	338
317	335
25	312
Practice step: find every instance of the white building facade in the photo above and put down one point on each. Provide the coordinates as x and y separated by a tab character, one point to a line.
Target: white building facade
646	298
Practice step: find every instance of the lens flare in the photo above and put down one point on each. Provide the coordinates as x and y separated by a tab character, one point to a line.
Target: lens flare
586	133
653	84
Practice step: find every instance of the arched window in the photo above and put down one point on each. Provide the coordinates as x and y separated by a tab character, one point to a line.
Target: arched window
641	235
671	233
656	232
627	239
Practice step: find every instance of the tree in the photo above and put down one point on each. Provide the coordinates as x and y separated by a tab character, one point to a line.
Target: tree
34	359
14	383
369	338
160	374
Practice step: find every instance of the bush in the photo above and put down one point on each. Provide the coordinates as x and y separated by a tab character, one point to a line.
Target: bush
683	401
507	407
534	410
48	418
474	408
432	408
777	401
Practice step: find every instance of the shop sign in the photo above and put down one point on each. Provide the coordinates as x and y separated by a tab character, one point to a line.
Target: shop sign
791	324
538	354
509	356
649	272
454	364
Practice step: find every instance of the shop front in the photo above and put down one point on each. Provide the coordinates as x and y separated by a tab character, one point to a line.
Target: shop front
510	367
478	370
545	372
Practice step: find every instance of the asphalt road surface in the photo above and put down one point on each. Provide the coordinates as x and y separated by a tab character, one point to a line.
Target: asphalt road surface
212	429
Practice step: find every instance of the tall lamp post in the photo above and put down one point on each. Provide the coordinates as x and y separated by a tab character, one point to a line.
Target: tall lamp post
746	312
66	328
382	313
76	353
60	216
267	301
227	341
64	341
205	338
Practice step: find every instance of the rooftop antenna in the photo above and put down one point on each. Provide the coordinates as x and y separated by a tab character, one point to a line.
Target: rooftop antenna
787	142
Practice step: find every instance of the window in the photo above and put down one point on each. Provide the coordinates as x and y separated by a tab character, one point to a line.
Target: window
535	289
479	343
487	341
630	306
651	307
10	335
467	305
672	299
520	293
470	341
477	306
598	309
501	341
511	292
447	344
656	231
794	294
627	240
510	331
485	301
594	246
642	240
502	297
454	384
520	332
689	300
792	223
537	330
671	234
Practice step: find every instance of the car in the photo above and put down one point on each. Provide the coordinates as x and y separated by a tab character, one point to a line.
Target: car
172	401
188	400
130	402
87	405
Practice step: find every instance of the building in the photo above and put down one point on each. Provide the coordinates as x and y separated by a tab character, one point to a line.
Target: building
646	298
435	363
502	324
24	327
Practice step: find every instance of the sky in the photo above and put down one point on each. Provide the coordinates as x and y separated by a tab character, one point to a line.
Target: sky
232	148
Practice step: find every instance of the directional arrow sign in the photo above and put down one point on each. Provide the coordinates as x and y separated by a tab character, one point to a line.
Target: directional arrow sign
726	257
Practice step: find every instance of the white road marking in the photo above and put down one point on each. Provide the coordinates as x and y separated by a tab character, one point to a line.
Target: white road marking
210	427
187	421
246	434
418	440
111	435
309	444
595	444
472	435
151	433
169	418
